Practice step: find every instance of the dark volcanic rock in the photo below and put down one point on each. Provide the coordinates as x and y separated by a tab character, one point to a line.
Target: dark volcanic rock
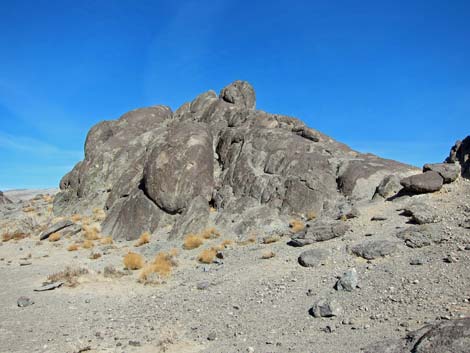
422	235
319	231
389	186
156	167
449	172
448	336
460	153
313	257
55	228
4	199
374	249
430	181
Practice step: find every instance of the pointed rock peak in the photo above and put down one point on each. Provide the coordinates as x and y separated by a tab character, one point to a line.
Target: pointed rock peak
239	93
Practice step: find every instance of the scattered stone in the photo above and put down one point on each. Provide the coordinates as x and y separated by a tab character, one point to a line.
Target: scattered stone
319	231
416	262
203	285
24	302
448	171
49	286
212	336
134	343
373	249
379	218
25	263
348	281
55	228
451	258
421	236
269	239
423	183
421	213
313	257
325	308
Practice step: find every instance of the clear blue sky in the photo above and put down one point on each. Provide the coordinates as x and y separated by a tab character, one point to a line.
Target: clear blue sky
389	77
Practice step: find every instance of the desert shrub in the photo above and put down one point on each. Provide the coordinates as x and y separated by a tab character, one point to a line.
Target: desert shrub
69	276
88	244
311	215
268	255
161	267
192	241
54	237
210	233
28	209
226	243
133	261
143	239
296	225
269	239
250	240
98	214
13	236
94	255
111	272
106	241
207	256
73	247
91	232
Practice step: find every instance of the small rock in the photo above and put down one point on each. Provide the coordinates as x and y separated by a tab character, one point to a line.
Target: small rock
313	257
379	218
348	281
50	286
416	262
373	249
134	343
451	258
203	285
24	302
325	308
212	336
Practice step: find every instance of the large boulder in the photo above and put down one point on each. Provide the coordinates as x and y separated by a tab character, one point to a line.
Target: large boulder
426	182
153	167
448	171
460	153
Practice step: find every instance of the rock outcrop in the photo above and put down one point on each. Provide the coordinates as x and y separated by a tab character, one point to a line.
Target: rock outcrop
460	153
4	199
153	167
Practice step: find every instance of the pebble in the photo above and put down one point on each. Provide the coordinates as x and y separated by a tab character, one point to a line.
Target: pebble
212	336
24	302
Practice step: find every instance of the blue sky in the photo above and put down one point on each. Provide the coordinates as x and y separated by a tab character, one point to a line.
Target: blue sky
388	77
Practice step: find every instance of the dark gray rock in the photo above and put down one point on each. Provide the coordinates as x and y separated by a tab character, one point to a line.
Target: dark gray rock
4	199
348	281
421	213
325	308
239	93
460	153
55	228
313	257
388	187
421	236
24	302
373	249
423	183
50	286
449	172
447	336
319	231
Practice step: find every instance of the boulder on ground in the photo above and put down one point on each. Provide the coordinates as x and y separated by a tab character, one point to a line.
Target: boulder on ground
448	171
374	249
426	182
319	231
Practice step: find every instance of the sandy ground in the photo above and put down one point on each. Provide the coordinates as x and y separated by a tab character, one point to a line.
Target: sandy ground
247	303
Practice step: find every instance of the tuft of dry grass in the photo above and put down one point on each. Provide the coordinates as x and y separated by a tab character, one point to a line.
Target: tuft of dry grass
91	232
207	256
54	237
250	240
268	255
111	272
13	236
210	233
69	276
269	239
192	241
161	267
296	225
28	209
226	243
106	241
133	261
88	244
143	239
76	217
98	214
94	256
73	247
311	215
48	198
212	209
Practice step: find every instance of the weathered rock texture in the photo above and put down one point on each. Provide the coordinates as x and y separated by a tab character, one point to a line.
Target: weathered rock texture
153	167
4	199
460	153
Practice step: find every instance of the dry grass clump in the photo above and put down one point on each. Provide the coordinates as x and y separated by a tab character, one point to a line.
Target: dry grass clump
143	239
311	215
111	272
250	240
192	241
28	209
54	237
296	225
269	239
226	243
91	232
106	241
133	261
88	244
94	256
98	214
48	198
161	267
69	276
14	236
73	247
210	233
207	256
76	217
268	255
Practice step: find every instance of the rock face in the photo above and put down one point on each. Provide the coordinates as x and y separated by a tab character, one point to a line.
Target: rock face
460	153
4	199
153	167
448	336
